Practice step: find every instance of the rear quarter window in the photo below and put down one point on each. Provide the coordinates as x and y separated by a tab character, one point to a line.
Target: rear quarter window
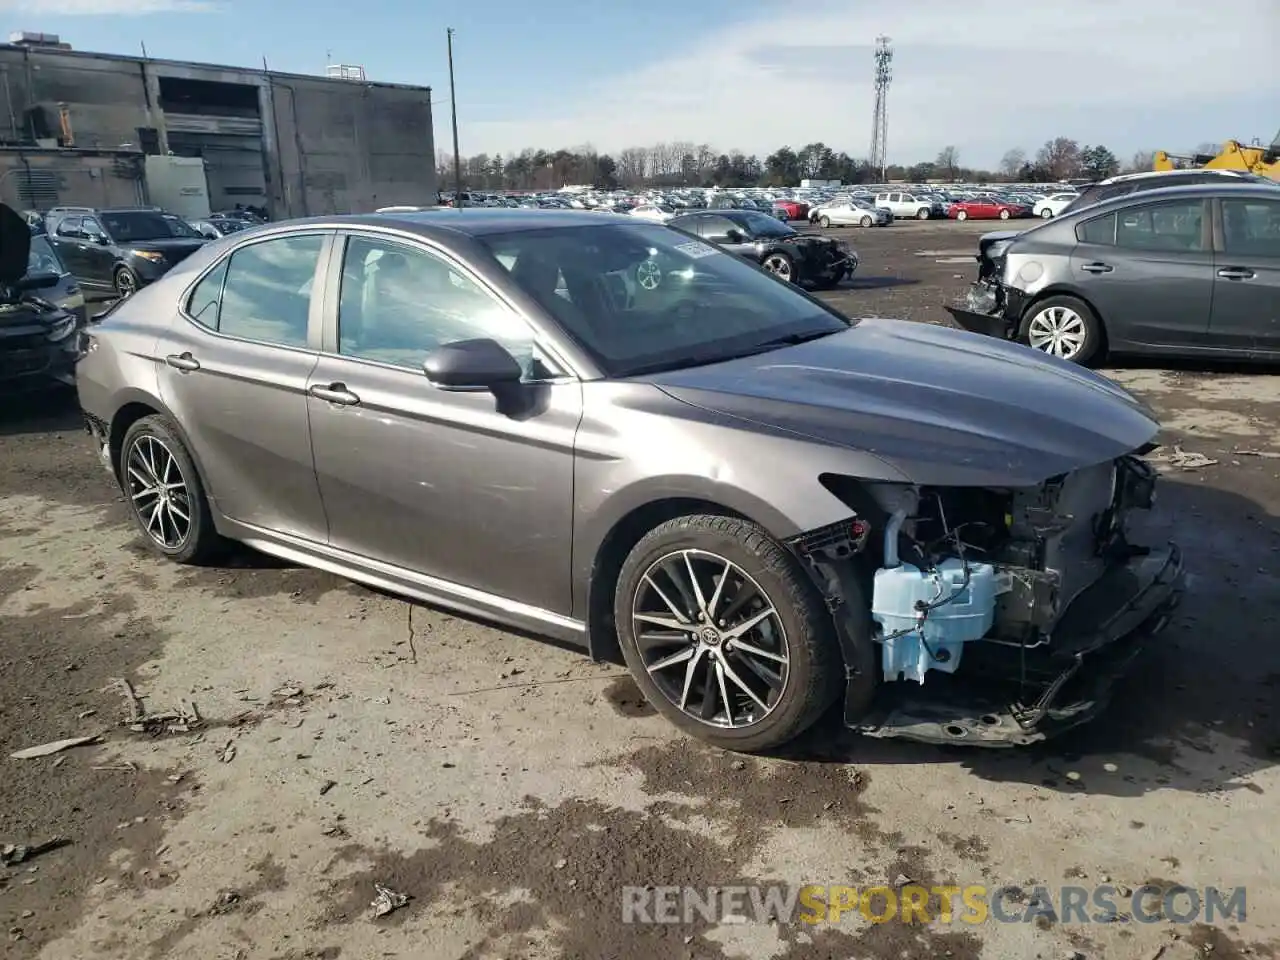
1099	230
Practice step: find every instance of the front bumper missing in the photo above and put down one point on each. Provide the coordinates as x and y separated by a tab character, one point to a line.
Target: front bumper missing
1102	634
990	309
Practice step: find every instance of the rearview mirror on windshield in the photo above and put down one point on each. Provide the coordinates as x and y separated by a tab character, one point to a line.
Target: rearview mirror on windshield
471	365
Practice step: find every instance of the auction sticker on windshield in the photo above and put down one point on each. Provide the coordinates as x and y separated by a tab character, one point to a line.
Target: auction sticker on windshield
696	249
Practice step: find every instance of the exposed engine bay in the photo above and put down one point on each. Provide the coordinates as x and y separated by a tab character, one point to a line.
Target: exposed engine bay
986	603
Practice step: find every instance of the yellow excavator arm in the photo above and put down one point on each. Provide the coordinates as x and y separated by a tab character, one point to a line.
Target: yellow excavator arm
1263	161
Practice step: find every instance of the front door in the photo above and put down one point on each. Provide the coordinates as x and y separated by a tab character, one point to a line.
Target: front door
99	253
1246	286
234	370
69	240
1150	270
459	486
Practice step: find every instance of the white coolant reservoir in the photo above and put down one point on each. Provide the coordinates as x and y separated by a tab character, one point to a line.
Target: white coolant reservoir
912	647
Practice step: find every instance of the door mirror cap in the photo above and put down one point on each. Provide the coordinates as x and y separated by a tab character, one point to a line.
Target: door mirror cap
735	236
471	364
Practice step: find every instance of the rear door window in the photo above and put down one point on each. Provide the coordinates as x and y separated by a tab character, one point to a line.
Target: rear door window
1172	227
1099	230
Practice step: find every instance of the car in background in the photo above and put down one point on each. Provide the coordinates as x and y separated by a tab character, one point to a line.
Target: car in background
1182	271
791	209
1053	204
120	249
216	227
986	208
611	432
1127	183
42	311
910	206
777	247
850	213
655	212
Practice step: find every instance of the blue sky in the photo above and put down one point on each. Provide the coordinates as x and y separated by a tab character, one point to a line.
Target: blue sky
984	75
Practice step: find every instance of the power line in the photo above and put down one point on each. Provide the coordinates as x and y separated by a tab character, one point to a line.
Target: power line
880	120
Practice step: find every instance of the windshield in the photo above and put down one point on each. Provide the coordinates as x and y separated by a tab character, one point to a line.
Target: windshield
42	259
643	297
132	225
764	226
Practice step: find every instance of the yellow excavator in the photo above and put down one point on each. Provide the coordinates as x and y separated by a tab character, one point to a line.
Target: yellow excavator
1263	161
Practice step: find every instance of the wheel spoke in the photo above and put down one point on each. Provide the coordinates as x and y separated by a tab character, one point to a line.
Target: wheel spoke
689	672
755	651
728	671
680	656
698	598
715	596
652	639
660	621
754	621
680	615
724	694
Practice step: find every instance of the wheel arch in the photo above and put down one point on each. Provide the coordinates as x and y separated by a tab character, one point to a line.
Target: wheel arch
131	407
1064	290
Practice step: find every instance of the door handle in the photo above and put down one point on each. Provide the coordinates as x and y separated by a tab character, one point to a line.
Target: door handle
333	393
1236	273
1097	268
182	361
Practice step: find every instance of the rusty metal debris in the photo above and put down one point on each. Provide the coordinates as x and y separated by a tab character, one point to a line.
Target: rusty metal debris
12	854
228	752
1180	459
387	900
56	746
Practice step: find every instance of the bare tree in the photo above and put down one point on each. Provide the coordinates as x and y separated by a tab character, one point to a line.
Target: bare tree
1142	161
1012	162
1059	158
948	162
633	165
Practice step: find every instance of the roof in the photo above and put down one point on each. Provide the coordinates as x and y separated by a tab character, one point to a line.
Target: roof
1212	171
488	220
1264	190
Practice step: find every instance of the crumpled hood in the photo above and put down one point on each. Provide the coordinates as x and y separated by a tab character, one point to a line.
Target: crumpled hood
941	406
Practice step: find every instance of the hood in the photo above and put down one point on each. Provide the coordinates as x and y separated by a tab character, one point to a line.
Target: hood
169	246
15	245
942	406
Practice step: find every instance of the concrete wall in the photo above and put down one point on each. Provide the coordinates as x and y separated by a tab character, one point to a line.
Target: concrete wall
41	179
327	146
350	147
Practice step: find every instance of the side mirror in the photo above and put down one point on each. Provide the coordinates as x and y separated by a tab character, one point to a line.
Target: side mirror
102	240
471	365
735	236
37	281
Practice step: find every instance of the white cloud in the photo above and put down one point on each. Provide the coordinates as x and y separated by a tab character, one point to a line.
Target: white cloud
100	8
982	74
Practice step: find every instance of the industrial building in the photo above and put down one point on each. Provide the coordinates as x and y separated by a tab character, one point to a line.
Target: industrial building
96	129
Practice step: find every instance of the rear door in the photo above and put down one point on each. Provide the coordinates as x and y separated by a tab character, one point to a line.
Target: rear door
99	253
1148	270
1246	287
234	370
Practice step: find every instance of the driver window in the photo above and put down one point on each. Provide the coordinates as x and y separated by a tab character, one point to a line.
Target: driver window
69	228
398	303
92	228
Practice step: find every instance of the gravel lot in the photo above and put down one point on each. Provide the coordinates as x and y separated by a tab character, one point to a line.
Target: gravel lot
512	788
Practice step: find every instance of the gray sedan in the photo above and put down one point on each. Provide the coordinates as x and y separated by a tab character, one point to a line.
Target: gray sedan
613	433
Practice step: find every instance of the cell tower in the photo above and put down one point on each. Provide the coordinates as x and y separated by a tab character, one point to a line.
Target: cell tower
880	122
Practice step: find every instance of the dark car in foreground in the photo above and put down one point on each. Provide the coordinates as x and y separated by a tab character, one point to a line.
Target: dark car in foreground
120	249
616	434
780	249
41	311
1188	271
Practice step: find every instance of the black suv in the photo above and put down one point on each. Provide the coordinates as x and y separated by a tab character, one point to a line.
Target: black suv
1128	183
119	249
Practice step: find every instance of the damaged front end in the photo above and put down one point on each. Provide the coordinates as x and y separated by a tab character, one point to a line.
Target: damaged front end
997	617
991	307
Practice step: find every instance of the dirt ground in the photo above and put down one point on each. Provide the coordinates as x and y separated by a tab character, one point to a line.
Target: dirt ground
512	788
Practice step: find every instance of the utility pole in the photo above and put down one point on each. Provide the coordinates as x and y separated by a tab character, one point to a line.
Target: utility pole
880	120
453	107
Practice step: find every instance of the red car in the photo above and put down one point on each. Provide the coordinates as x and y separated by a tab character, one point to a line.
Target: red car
981	209
794	209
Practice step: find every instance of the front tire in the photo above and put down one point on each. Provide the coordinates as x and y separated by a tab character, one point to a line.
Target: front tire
1046	214
725	635
781	266
825	223
164	493
961	215
866	221
922	213
126	282
1063	327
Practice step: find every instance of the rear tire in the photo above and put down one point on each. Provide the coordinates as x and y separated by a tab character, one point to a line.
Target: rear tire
1063	327
781	266
825	223
164	494
922	213
795	645
1004	214
126	282
962	215
866	221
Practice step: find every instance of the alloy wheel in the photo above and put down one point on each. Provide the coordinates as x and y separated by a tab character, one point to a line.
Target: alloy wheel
710	638
158	492
126	284
779	266
1058	331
